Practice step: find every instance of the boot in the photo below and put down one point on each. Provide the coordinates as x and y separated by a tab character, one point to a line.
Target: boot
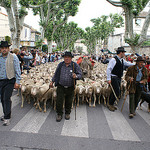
111	107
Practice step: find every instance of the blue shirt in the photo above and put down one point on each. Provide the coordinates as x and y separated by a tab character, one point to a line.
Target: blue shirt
3	74
27	59
139	75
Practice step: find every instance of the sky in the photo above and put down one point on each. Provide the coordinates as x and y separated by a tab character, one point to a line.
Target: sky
88	10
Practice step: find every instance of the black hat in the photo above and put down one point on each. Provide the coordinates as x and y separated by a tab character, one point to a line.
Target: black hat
120	49
67	54
4	44
140	58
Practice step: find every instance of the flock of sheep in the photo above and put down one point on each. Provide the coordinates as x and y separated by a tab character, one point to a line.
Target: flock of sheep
93	90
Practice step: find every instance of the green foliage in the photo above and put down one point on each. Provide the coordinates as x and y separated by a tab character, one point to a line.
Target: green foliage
8	39
45	48
66	35
24	3
22	12
134	40
146	43
90	39
102	28
7	3
38	43
136	6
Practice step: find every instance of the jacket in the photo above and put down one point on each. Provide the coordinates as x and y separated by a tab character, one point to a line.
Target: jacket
132	72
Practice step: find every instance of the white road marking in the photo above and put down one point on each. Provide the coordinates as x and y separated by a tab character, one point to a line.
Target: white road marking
144	114
78	127
119	126
32	121
15	101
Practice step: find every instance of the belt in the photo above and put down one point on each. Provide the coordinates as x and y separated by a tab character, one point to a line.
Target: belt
6	79
115	77
3	79
65	86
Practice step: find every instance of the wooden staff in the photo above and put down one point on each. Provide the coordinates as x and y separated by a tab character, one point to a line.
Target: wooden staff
126	94
74	92
44	94
114	92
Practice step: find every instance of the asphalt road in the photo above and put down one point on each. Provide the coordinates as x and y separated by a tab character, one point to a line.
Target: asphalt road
94	129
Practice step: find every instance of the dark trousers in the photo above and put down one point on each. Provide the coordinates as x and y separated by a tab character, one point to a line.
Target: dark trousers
148	86
6	89
134	99
115	82
64	94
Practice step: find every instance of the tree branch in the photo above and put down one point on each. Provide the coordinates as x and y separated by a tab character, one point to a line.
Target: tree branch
48	1
115	3
145	28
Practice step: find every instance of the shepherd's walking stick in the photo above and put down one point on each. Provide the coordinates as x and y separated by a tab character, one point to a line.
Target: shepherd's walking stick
114	92
74	93
126	94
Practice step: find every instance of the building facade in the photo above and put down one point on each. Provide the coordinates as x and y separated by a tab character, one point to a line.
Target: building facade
28	36
117	39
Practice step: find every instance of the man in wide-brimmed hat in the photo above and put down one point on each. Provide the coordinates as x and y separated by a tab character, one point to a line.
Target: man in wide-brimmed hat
65	74
9	78
114	74
136	77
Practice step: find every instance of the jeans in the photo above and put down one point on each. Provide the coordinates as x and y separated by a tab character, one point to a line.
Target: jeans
6	89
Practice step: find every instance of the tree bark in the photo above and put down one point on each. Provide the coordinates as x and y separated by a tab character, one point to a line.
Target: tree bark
50	46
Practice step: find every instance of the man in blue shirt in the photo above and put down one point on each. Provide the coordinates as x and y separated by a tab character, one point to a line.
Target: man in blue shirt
10	76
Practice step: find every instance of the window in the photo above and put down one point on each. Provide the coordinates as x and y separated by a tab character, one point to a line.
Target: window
138	22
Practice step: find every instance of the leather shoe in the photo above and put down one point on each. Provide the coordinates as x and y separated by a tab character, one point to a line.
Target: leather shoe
131	116
6	122
2	118
58	118
111	108
115	107
67	116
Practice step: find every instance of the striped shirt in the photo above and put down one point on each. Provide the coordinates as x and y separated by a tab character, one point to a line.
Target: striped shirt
3	74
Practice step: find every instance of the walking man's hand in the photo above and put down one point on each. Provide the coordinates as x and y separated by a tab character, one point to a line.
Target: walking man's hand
16	86
51	85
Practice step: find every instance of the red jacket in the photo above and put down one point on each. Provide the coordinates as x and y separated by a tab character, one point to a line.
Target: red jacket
148	68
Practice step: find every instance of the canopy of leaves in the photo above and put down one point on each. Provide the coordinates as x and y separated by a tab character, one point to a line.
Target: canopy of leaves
90	39
66	35
102	28
135	5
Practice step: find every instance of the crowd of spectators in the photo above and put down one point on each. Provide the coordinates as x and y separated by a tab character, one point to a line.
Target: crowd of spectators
34	57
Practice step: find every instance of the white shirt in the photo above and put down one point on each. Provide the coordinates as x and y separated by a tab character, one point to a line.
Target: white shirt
111	65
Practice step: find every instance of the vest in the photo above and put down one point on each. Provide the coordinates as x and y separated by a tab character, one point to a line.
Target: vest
57	73
10	66
118	68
